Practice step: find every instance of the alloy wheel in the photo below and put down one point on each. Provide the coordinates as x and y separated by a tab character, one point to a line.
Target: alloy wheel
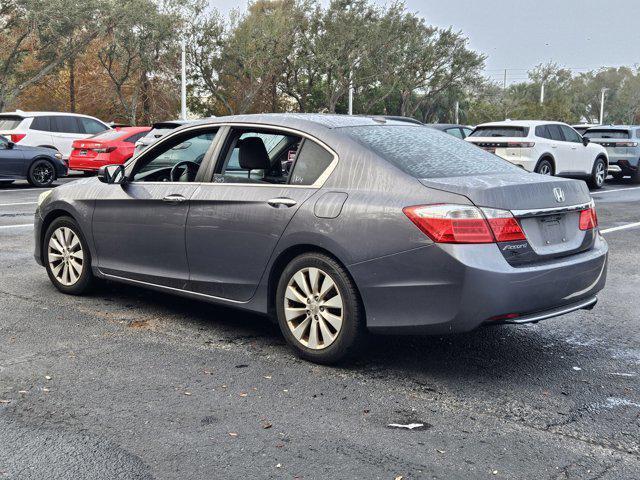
313	308
43	173
545	169
600	174
66	258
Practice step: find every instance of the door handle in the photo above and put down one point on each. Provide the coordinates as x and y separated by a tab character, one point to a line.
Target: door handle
174	198
282	202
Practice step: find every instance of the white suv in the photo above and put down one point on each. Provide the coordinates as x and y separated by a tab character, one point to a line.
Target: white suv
548	148
49	129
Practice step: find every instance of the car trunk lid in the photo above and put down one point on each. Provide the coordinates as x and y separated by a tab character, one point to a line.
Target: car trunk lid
547	208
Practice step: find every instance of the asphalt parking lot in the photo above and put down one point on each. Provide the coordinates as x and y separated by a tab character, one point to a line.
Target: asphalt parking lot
128	383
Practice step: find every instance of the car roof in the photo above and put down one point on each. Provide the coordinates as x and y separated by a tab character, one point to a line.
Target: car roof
614	127
308	120
21	113
445	126
520	123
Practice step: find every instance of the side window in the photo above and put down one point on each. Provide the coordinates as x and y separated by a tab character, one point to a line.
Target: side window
42	124
258	157
89	125
570	134
135	137
555	133
466	132
65	124
542	131
455	132
177	160
312	161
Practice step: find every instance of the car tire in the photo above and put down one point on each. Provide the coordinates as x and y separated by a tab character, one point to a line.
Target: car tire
635	176
544	167
42	173
67	257
598	174
316	293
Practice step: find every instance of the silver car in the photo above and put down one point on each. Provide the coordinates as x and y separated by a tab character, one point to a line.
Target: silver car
623	147
334	226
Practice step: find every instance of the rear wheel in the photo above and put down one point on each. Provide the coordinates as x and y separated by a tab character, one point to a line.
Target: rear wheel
42	173
66	257
635	176
598	174
319	310
544	167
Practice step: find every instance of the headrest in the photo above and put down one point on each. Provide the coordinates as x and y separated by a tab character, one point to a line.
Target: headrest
253	155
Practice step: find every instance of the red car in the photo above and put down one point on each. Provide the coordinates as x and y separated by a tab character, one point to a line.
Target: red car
107	148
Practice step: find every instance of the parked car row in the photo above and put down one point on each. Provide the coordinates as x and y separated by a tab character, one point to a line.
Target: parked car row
42	146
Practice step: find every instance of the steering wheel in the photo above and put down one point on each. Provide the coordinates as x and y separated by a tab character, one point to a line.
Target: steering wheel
188	165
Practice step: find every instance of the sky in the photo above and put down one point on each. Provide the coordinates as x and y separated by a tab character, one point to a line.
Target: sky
519	34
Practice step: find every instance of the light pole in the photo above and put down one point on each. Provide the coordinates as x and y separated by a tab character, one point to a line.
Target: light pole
542	93
602	92
351	92
183	83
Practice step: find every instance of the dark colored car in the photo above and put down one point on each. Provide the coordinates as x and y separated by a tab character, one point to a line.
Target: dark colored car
38	165
333	225
458	131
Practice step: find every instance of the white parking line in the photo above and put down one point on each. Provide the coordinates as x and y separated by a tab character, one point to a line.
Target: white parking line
621	227
615	190
22	203
17	226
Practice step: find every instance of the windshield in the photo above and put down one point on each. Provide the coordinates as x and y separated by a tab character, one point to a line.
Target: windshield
607	134
9	122
500	132
428	153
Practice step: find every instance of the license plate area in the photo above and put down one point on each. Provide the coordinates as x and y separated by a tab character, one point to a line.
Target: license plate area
83	153
552	230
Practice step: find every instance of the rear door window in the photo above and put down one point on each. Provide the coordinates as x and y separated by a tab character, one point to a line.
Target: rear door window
555	132
542	131
455	132
427	153
500	131
65	124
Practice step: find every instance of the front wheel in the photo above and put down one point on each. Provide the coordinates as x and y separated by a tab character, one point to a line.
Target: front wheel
319	309
42	173
66	257
598	174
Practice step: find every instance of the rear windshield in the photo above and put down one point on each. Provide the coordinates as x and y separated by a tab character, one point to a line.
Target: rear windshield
109	135
500	132
9	122
607	134
428	153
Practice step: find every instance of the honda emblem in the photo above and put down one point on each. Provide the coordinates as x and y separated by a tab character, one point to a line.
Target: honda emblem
559	194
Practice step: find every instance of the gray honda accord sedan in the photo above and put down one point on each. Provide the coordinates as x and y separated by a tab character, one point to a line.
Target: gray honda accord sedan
334	226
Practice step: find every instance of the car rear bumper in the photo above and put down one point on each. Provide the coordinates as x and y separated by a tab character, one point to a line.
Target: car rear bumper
456	288
89	164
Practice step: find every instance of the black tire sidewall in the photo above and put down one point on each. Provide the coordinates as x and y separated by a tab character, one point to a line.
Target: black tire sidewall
542	162
86	277
349	338
33	181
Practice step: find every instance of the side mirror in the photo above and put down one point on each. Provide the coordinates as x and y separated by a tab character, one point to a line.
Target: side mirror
585	141
111	174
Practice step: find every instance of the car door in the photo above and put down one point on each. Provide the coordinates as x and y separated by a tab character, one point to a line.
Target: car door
581	161
65	129
261	179
139	226
559	148
11	160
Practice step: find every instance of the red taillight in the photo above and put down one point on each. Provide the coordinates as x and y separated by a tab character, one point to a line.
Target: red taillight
627	144
104	149
465	224
588	219
16	137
